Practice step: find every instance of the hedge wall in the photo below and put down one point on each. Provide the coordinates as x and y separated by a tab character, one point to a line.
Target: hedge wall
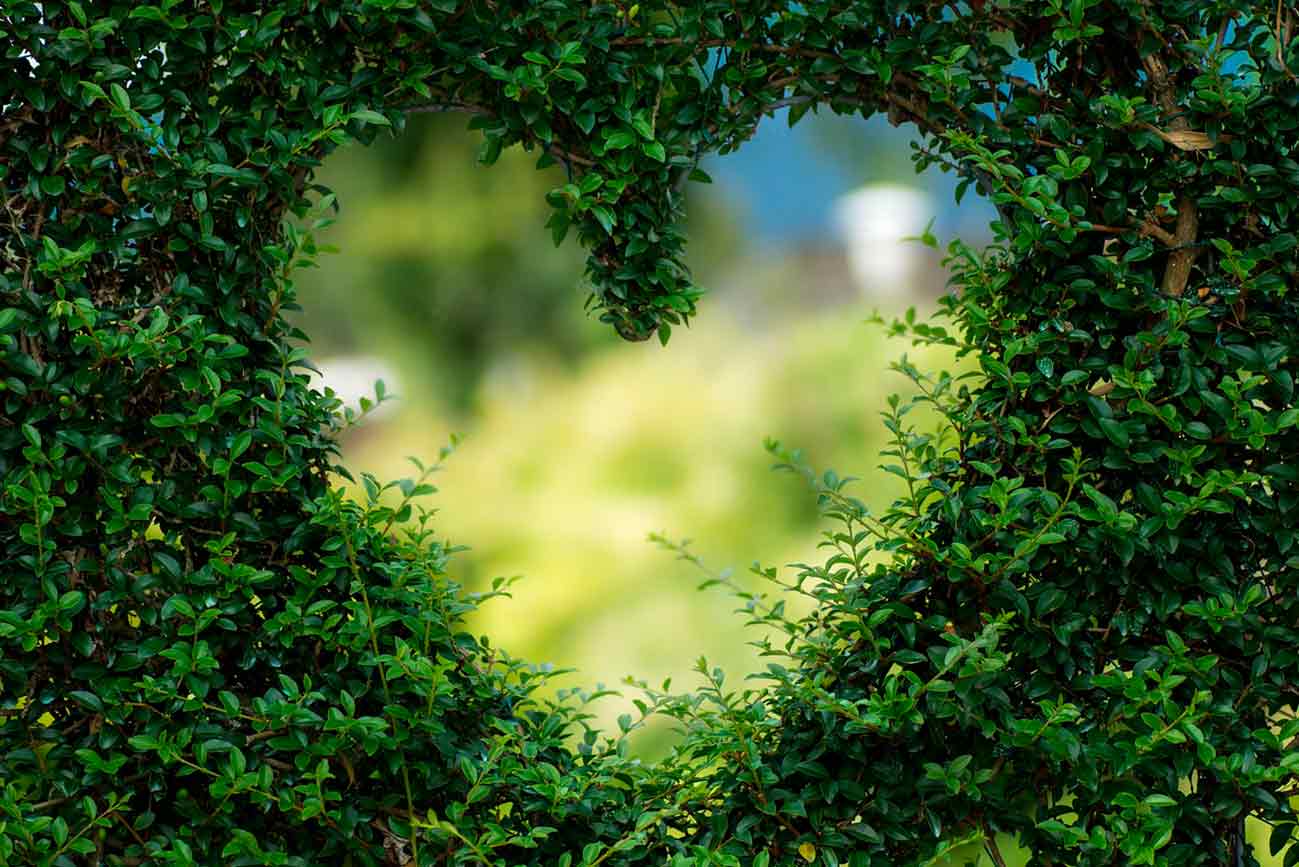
1079	629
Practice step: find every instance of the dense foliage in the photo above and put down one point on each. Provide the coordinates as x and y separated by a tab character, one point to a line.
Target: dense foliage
1080	627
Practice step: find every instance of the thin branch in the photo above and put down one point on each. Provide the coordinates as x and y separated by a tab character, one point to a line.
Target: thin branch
1222	33
791	50
1025	84
993	850
1146	228
1177	271
431	107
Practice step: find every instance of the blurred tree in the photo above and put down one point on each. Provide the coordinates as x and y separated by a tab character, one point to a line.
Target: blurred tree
447	263
449	268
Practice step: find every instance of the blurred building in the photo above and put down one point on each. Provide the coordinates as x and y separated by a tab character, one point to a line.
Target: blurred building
874	223
352	377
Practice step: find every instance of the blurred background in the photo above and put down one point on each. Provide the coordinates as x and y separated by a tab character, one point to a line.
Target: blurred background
577	445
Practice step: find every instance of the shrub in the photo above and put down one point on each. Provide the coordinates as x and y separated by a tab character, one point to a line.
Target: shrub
1083	631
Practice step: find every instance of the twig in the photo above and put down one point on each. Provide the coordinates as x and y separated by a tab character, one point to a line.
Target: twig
431	107
990	845
1177	271
1146	228
1222	33
1283	38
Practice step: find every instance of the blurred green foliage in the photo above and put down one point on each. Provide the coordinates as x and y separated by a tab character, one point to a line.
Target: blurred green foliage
590	443
583	464
585	467
448	267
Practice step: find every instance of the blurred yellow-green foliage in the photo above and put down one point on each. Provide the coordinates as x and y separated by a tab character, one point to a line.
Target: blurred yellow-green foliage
579	445
564	472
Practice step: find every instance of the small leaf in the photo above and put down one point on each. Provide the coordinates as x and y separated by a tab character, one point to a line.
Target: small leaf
605	217
619	140
367	115
1074	377
569	74
1116	432
119	97
87	699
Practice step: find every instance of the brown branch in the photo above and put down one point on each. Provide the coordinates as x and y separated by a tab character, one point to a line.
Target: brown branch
1178	270
1222	33
1283	37
264	735
990	845
1146	229
431	107
569	157
791	50
1187	139
1025	84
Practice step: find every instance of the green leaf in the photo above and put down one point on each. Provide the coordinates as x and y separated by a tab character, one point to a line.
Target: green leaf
1074	377
94	91
619	140
240	444
119	97
605	217
87	699
642	126
370	116
1115	431
569	74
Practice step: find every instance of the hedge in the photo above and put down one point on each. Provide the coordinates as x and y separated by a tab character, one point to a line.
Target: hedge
1078	630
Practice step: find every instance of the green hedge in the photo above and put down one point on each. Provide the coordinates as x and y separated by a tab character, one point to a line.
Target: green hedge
1083	632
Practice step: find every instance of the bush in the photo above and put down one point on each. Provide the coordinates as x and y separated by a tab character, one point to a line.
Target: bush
1083	630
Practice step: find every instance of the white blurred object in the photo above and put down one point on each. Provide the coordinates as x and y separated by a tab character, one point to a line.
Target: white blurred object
872	221
352	377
